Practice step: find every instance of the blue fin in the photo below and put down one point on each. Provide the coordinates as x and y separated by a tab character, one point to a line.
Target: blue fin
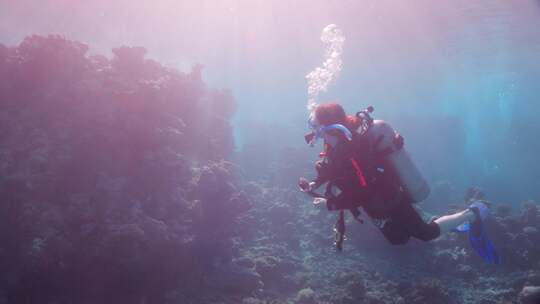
462	228
480	242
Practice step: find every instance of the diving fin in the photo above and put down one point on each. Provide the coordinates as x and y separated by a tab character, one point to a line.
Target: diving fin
480	242
478	237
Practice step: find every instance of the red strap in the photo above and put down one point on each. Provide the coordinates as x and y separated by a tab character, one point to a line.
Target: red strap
359	173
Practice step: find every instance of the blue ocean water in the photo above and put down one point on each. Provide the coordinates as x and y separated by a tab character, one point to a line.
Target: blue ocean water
150	150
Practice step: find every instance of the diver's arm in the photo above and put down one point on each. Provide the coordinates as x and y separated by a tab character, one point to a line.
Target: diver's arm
322	178
323	174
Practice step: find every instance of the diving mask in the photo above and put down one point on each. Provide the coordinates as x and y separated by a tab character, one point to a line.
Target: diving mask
319	131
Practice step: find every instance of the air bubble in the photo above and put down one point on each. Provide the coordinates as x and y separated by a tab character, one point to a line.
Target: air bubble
321	77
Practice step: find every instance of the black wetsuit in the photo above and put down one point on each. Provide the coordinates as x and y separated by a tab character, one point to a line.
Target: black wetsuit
364	179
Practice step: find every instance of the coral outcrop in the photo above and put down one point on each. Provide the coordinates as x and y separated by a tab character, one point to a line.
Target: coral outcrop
113	184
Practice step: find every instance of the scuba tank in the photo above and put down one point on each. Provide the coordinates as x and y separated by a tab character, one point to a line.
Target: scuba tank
389	144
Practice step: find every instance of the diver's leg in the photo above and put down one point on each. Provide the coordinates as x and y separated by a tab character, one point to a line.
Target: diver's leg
477	211
394	233
406	220
448	222
415	225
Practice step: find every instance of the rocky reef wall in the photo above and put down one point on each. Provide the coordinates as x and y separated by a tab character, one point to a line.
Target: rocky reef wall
114	180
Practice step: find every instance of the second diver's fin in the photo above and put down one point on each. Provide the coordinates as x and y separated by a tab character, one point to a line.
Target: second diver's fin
478	237
480	242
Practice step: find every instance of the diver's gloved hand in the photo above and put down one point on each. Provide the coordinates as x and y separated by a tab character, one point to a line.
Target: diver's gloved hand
305	185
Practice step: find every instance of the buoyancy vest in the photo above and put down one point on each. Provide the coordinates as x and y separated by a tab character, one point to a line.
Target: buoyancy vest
359	177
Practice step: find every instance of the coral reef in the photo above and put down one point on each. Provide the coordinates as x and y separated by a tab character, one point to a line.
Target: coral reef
112	179
287	227
530	295
428	292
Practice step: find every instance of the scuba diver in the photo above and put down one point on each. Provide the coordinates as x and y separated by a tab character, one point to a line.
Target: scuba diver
364	164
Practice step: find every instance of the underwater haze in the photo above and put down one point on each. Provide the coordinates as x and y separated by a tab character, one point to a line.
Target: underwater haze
150	150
